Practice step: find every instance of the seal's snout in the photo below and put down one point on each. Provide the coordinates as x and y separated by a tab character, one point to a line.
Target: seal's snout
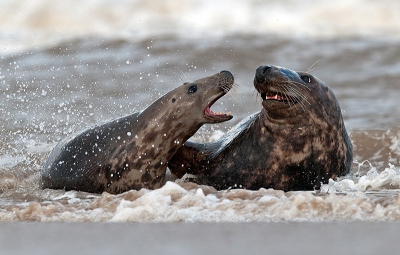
227	73
274	85
262	72
265	69
225	81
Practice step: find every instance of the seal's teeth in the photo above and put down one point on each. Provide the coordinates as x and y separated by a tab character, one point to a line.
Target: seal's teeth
210	112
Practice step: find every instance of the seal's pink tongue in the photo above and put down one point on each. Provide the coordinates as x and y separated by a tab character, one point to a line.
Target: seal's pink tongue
276	96
208	111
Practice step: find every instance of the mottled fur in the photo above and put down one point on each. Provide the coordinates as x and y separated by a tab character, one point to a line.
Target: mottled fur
132	152
291	144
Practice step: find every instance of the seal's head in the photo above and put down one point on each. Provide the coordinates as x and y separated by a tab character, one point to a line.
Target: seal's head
196	98
288	96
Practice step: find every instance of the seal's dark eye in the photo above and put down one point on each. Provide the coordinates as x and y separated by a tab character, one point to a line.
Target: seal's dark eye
306	78
192	89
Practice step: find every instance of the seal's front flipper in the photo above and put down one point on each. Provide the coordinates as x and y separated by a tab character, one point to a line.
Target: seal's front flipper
191	158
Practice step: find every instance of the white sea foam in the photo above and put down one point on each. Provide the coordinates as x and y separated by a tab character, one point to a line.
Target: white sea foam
373	180
41	22
188	202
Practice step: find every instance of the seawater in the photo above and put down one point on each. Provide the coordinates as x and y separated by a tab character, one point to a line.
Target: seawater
63	70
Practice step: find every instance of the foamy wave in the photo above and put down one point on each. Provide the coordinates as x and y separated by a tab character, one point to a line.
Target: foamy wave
189	202
387	179
41	22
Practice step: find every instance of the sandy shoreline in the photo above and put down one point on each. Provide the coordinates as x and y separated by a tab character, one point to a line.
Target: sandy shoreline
200	238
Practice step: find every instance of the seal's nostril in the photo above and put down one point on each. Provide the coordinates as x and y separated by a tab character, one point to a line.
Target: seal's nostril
265	69
227	73
261	73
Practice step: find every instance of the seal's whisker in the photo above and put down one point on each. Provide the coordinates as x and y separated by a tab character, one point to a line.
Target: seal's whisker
311	67
227	87
295	88
184	75
295	95
180	76
299	94
230	88
288	93
295	83
297	91
234	95
236	86
256	95
302	104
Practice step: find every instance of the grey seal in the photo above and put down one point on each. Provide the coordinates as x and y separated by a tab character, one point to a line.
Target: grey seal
296	142
132	152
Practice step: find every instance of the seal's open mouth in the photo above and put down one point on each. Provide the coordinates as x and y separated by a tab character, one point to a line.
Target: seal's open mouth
216	116
209	113
225	84
278	96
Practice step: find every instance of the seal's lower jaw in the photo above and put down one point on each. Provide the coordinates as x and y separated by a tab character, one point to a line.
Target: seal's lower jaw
216	117
279	97
279	105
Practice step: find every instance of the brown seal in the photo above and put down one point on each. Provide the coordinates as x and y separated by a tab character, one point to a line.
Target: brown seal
296	142
132	152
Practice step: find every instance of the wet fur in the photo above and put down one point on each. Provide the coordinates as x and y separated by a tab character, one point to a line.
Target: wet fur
132	152
287	146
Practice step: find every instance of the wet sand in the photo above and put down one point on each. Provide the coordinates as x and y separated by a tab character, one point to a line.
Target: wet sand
200	238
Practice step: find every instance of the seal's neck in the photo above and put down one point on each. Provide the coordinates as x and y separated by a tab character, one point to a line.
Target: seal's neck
169	123
290	120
